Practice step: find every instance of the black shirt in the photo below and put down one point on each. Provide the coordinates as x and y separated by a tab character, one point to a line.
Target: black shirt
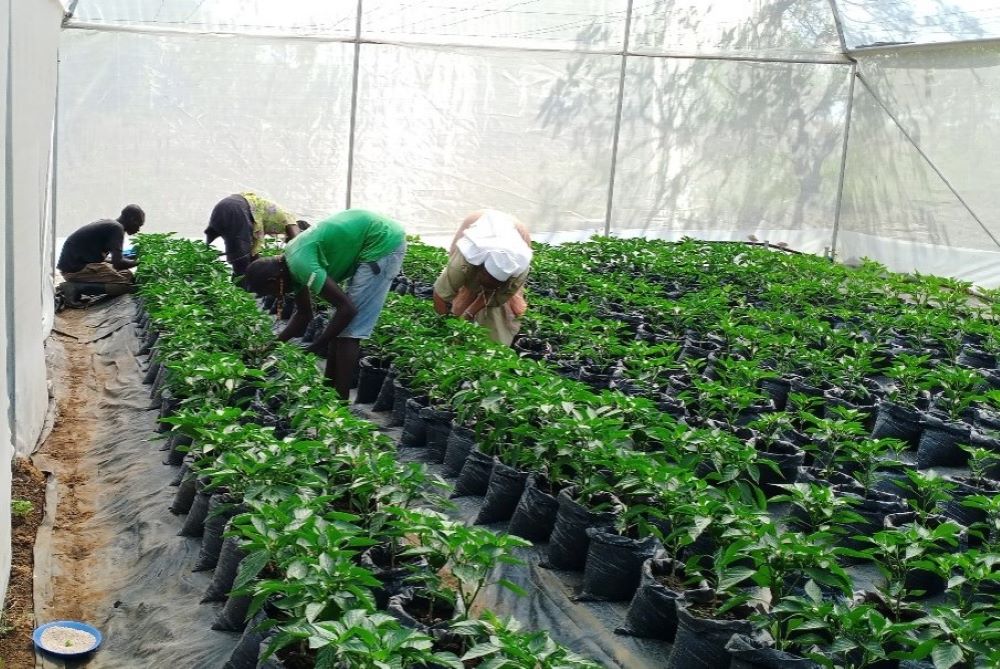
91	243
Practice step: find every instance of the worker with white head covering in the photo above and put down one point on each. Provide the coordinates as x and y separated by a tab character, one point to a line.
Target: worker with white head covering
484	279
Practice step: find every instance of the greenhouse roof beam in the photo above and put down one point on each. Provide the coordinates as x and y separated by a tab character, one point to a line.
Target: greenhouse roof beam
102	27
921	46
839	23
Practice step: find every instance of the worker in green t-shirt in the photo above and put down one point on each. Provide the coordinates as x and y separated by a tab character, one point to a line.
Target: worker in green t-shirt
356	246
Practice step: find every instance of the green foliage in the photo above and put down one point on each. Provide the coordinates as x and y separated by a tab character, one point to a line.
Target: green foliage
21	508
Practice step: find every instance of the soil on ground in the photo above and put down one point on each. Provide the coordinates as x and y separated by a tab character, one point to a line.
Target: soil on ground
67	450
18	619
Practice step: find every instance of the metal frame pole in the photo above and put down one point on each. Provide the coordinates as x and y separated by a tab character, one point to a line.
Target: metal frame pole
618	121
354	106
843	162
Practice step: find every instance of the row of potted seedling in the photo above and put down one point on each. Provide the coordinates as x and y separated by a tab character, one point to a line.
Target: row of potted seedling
314	531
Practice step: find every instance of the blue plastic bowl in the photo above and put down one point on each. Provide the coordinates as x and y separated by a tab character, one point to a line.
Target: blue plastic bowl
37	637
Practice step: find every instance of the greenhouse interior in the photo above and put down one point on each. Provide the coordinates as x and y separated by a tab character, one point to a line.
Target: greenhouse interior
541	334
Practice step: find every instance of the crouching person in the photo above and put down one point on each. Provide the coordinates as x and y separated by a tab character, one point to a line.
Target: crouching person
92	261
349	260
485	275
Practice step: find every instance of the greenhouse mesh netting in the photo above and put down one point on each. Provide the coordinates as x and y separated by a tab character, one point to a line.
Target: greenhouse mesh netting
859	126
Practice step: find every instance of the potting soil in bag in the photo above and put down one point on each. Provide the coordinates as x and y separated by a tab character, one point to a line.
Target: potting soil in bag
157	387
701	642
370	378
414	430
503	492
393	579
569	542
179	446
225	571
777	390
400	395
247	650
271	661
939	443
787	458
184	497
614	565
746	653
897	422
460	443
233	616
220	509
965	487
873	507
384	400
438	424
194	524
970	356
474	478
652	613
408	608
535	514
893	482
148	341
151	372
168	405
182	473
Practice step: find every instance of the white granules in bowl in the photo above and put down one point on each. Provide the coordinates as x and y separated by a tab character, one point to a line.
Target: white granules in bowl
67	640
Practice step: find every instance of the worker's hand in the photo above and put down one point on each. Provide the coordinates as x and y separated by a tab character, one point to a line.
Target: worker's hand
469	316
440	306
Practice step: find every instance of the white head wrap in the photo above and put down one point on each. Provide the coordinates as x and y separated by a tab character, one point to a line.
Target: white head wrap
494	242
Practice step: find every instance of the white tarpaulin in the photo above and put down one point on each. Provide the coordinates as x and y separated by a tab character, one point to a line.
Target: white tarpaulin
29	35
34	43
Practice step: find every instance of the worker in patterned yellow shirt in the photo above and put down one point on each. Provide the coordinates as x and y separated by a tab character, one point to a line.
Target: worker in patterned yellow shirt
242	221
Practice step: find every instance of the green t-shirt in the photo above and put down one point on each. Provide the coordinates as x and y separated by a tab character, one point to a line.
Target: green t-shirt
336	246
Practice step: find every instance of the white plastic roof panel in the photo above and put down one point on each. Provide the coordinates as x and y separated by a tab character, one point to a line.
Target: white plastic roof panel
714	145
878	22
300	17
563	24
445	131
792	29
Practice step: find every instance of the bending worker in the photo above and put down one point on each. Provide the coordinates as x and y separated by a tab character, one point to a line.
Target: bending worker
356	245
242	221
485	275
91	260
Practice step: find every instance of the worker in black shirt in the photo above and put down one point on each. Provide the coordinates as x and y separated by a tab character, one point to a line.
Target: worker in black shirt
91	261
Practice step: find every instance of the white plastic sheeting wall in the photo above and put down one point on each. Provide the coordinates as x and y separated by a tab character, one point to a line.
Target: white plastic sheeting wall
177	122
660	118
34	45
688	166
922	169
29	34
445	131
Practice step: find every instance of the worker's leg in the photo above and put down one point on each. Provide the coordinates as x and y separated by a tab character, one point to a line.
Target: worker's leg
367	290
99	273
116	289
340	364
